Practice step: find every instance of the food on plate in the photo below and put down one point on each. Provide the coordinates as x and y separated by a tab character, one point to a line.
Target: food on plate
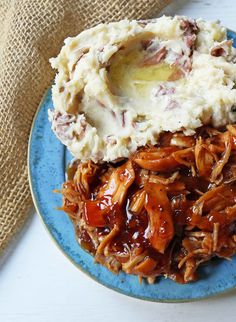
164	211
119	85
147	109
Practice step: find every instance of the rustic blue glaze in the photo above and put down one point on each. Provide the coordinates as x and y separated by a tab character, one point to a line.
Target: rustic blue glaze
47	162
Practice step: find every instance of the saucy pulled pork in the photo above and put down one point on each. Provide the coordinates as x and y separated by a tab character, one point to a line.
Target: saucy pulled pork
164	211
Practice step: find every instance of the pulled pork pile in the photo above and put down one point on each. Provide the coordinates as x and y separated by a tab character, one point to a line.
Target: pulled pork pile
164	211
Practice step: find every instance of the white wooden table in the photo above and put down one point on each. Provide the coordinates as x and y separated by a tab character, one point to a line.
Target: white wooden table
38	284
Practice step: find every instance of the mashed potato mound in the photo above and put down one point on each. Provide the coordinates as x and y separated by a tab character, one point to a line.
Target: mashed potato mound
119	85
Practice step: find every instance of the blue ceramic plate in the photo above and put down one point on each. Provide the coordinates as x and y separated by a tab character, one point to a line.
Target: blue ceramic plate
48	159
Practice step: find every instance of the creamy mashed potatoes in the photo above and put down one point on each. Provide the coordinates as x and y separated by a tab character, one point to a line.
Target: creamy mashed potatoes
119	85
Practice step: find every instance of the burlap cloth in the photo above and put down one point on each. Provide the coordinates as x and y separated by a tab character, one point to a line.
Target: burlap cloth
32	31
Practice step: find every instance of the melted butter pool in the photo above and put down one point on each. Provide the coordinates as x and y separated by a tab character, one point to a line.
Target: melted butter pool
129	77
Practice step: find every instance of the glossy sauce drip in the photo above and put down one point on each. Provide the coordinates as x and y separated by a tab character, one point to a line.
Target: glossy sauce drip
133	232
